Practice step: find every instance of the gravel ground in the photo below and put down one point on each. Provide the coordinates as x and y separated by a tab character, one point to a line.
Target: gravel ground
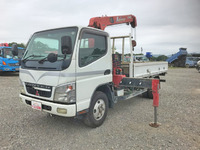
126	126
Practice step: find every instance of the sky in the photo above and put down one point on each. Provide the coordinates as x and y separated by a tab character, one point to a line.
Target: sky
163	26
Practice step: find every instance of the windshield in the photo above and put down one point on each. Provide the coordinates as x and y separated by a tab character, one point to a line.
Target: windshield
43	43
47	42
193	58
7	53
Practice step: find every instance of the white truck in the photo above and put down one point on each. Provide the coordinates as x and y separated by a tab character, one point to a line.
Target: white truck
72	72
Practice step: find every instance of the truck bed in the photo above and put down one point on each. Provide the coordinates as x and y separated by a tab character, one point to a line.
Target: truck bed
145	69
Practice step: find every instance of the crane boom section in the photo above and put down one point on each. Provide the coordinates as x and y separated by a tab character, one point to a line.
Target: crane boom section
103	22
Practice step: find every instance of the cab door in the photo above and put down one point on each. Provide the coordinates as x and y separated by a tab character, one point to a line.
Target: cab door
94	65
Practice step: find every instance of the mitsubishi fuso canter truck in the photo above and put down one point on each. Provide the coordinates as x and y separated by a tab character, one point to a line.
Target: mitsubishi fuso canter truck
74	71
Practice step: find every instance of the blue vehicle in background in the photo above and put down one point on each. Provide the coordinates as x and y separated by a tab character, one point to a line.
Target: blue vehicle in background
178	59
8	62
191	61
183	59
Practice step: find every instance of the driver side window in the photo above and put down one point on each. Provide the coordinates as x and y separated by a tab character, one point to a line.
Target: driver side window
92	47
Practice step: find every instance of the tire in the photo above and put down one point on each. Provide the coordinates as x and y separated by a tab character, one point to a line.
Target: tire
149	91
150	94
97	111
187	66
145	94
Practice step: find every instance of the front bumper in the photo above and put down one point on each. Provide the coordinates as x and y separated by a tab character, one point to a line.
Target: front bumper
5	68
51	107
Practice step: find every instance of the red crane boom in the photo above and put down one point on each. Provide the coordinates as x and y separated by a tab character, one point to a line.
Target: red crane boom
103	22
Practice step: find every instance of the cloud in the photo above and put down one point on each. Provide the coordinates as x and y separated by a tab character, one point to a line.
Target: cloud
163	26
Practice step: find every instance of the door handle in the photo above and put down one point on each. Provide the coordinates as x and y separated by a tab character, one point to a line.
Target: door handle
108	71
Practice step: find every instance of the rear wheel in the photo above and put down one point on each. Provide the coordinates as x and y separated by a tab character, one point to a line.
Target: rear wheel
97	111
148	94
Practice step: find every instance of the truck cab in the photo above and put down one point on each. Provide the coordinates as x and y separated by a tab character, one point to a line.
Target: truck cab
8	62
62	69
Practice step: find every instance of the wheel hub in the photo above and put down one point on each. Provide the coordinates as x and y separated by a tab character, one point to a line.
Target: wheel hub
99	109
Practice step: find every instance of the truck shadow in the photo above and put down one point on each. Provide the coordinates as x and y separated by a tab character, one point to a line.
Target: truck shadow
132	102
58	121
73	125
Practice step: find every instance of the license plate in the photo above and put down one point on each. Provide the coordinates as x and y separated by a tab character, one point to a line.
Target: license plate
36	105
17	69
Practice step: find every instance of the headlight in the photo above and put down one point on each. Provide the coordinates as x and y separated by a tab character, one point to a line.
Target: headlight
65	93
21	87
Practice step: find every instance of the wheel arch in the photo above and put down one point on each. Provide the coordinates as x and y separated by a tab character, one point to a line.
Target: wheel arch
106	89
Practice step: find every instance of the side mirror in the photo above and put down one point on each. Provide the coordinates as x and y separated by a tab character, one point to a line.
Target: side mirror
52	57
14	50
66	45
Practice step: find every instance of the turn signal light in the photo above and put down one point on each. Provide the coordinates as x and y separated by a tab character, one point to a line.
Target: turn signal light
4	63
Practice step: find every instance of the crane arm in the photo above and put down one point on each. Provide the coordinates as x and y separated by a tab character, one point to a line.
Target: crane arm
103	22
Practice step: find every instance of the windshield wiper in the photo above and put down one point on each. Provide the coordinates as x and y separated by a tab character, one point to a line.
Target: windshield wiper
41	61
24	60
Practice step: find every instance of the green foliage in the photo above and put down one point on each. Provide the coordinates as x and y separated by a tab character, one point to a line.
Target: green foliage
128	54
153	58
161	58
18	44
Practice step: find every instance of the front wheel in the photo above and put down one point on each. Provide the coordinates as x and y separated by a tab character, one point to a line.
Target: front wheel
97	111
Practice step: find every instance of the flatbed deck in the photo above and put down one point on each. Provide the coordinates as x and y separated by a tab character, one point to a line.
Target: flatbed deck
145	69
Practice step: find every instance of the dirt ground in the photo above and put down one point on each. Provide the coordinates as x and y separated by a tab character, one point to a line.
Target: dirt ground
126	126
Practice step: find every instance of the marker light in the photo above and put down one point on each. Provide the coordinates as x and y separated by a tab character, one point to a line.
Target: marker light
4	63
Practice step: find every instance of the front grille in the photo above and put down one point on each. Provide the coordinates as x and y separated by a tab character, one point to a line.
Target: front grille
15	64
39	89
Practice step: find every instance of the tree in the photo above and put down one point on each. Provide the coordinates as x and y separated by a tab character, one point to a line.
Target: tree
161	58
18	44
153	58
